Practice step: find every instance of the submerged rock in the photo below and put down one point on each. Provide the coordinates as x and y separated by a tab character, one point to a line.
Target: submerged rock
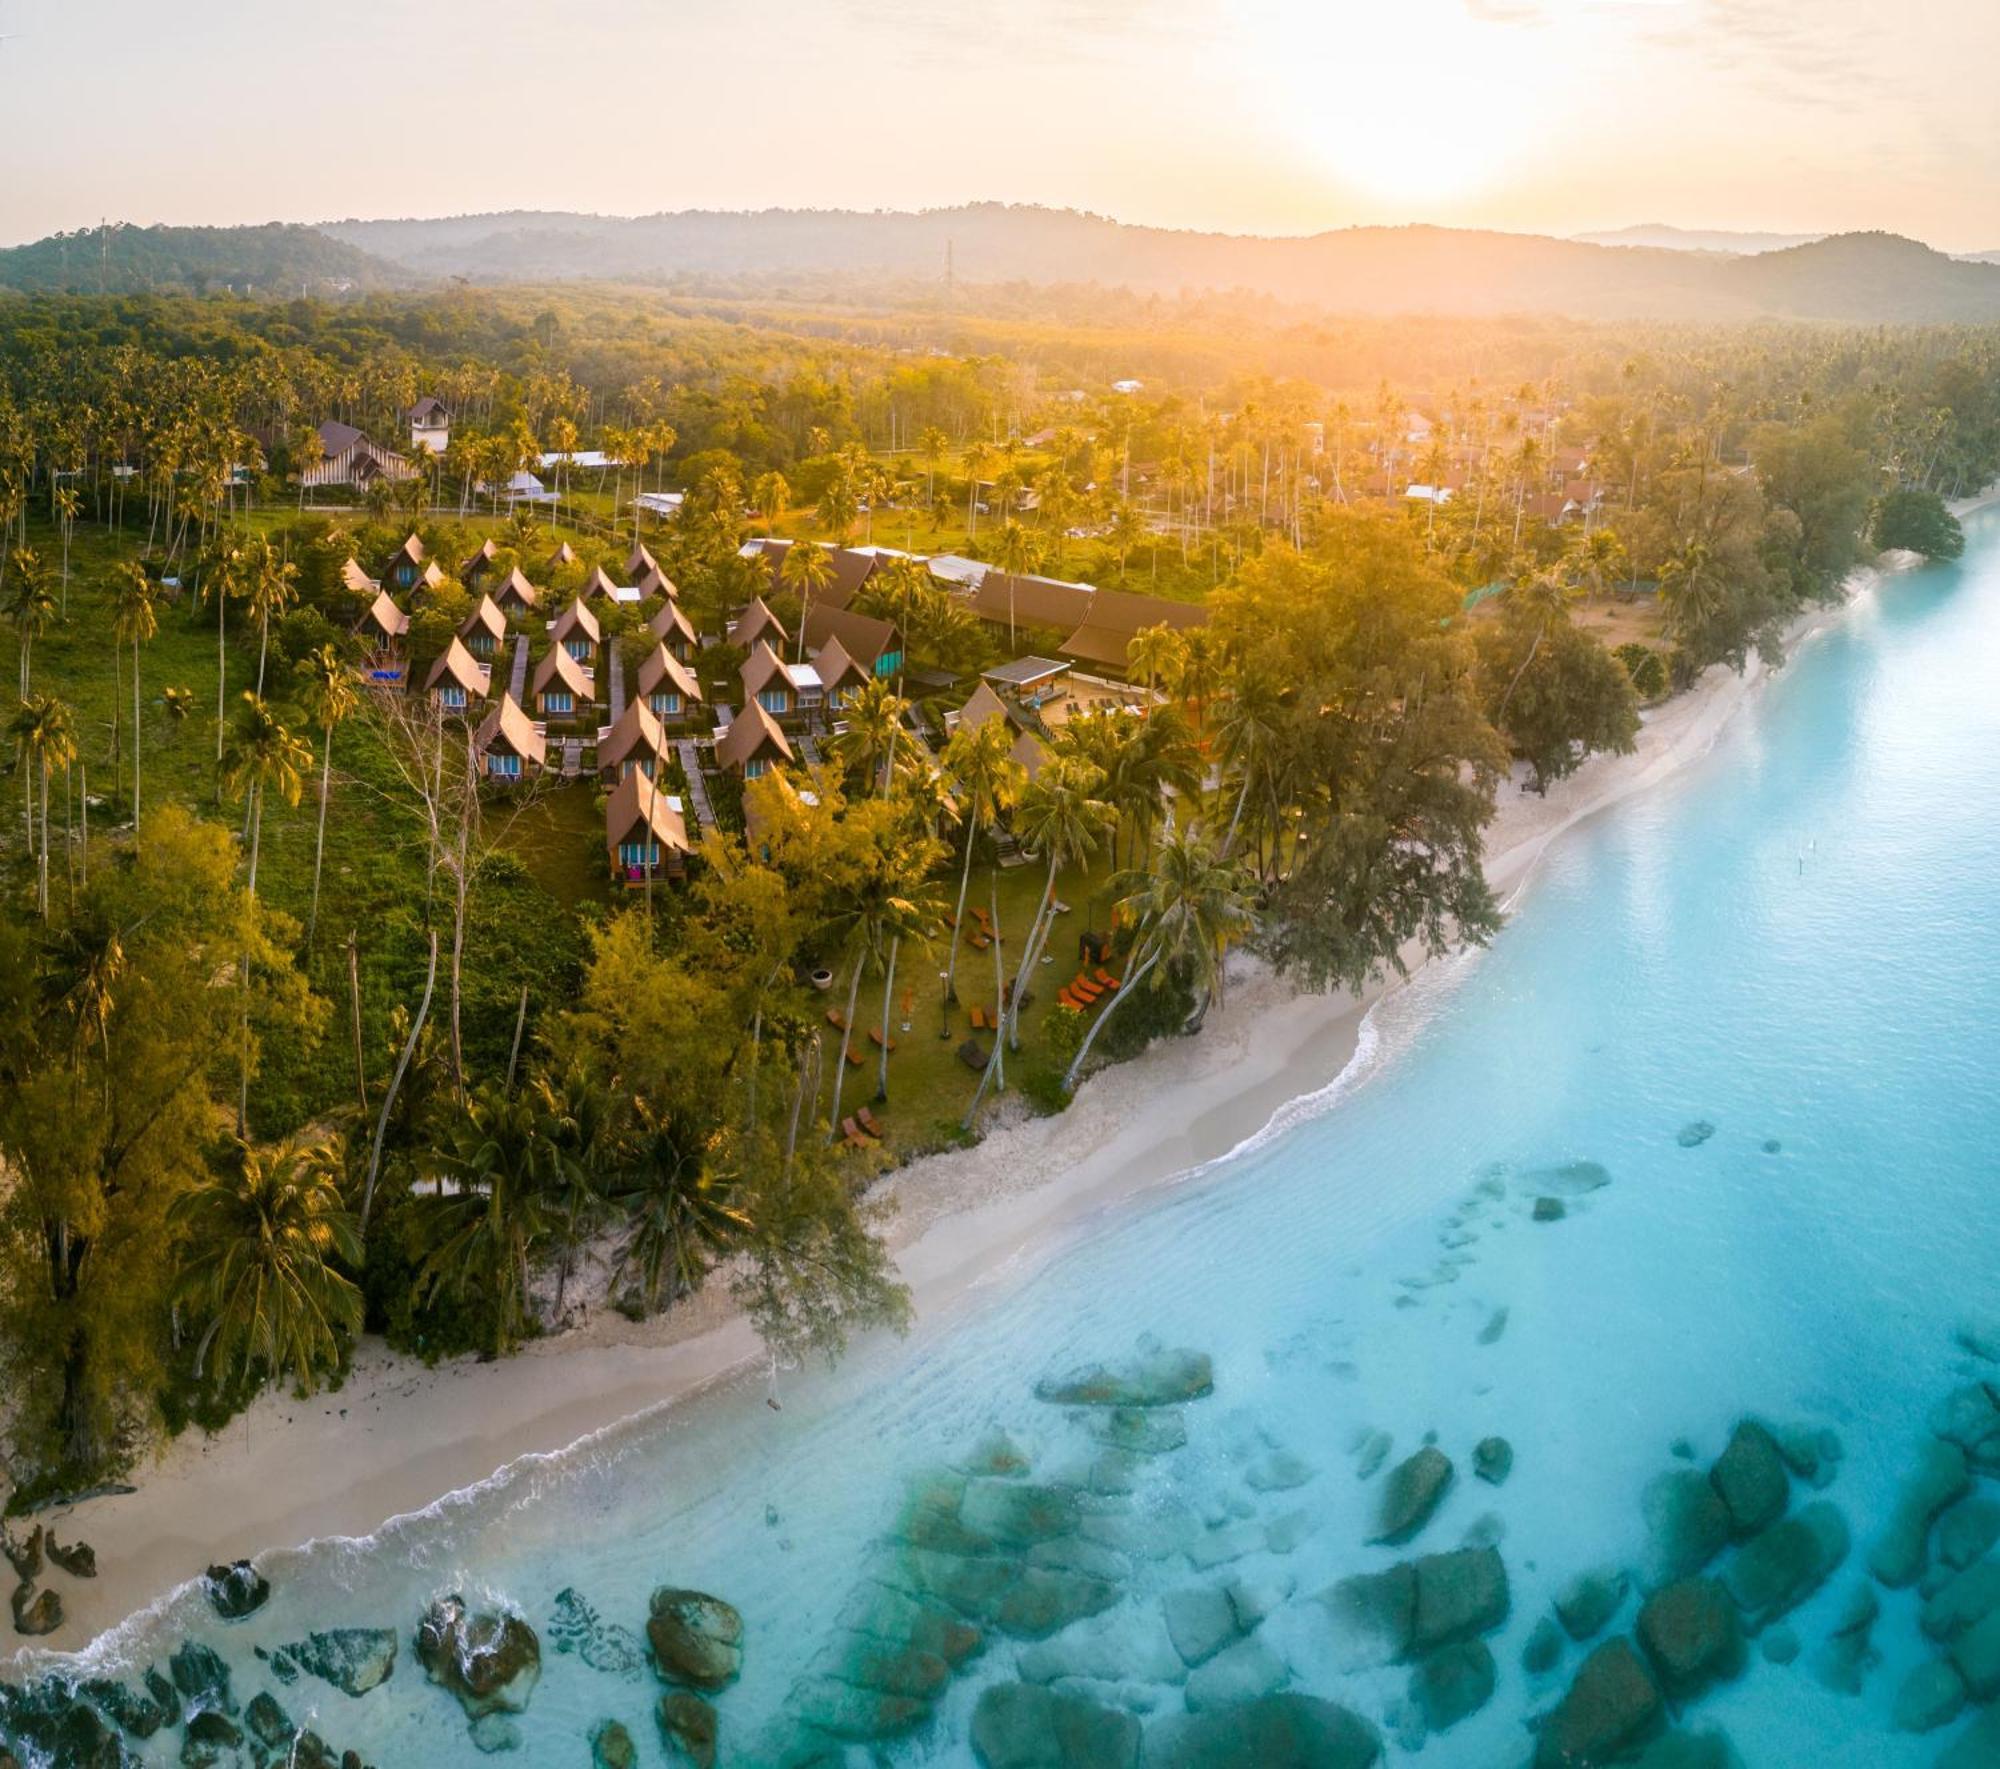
1691	1632
1977	1747
696	1639
995	1455
1372	1616
236	1590
1587	1603
1900	1552
1611	1707
201	1677
1370	1452
1493	1460
210	1740
1750	1479
353	1660
1014	1514
1689	1750
267	1722
1976	1653
611	1746
139	1715
1543	1649
888	1614
858	1715
1458	1595
1963	1600
1967	1531
1414	1490
1453	1683
688	1728
1549	1210
1932	1695
495	1732
1140	1431
1694	1134
1200	1621
1237	1674
1285	1731
1156	1378
1023	1726
489	1660
1779	1569
1687	1525
1847	1656
47	1724
1568	1179
604	1646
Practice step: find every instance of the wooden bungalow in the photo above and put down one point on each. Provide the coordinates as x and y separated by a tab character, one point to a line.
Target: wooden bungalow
657	583
839	675
645	835
429	581
598	584
638	740
563	557
851	570
458	680
356	581
563	688
784	690
1028	750
485	560
383	630
638	563
753	745
348	458
667	686
577	632
509	746
676	631
430	424
405	565
516	596
1115	617
874	644
757	622
484	630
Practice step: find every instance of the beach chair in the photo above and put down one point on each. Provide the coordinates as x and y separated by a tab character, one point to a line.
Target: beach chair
852	1055
877	1038
1107	979
836	1019
980	943
972	1056
868	1122
1068	1000
852	1134
977	1015
1084	989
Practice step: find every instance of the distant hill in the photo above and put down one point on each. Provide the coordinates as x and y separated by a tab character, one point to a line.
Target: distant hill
1980	257
269	260
1868	278
1687	239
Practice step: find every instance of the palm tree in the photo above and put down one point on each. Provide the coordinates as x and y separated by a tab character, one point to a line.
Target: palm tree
44	732
872	914
265	1245
1247	728
273	588
263	754
87	962
227	579
500	1154
680	1214
979	459
874	731
328	692
979	761
1545	593
808	568
1158	653
913	914
932	446
772	495
67	505
134	622
1691	589
575	1110
1127	527
1187	906
31	607
1016	554
179	703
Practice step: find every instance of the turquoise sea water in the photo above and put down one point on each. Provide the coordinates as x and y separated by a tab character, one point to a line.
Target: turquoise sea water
1794	942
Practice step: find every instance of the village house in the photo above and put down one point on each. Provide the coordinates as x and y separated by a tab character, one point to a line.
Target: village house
639	563
458	680
598	585
874	644
784	690
637	740
839	675
645	833
485	560
675	631
577	632
563	688
1115	617
348	458
516	596
1028	750
655	583
563	557
357	581
667	686
383	630
757	622
509	746
430	425
484	630
405	565
753	745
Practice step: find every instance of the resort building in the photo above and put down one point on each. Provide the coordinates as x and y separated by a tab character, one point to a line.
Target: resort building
598	584
676	632
405	565
563	557
757	622
656	583
357	581
639	563
1029	680
516	596
348	458
484	629
1028	749
383	631
563	688
874	644
852	568
638	740
458	680
645	833
508	745
784	690
577	632
481	562
430	425
839	675
753	745
667	686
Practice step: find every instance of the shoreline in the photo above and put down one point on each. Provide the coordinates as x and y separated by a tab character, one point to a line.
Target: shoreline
399	1436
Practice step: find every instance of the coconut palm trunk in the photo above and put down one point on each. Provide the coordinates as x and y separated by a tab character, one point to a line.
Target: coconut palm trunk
951	964
888	988
847	1032
319	840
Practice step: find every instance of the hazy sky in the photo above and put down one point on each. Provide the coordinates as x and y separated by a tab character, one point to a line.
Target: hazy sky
1257	115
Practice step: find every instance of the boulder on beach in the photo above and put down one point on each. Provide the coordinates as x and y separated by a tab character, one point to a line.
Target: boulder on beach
1687	1525
1611	1706
36	1613
79	1559
353	1660
1750	1479
1413	1491
25	1555
1901	1551
1283	1731
688	1728
236	1590
1779	1569
1156	1377
697	1639
1692	1634
490	1660
1023	1726
1452	1684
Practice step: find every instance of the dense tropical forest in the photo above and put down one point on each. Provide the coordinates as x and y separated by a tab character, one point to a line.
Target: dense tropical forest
310	1032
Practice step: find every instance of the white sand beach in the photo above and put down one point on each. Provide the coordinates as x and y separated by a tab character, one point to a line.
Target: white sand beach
397	1436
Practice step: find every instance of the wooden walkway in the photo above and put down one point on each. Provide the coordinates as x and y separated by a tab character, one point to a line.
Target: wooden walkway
614	664
518	682
698	806
572	757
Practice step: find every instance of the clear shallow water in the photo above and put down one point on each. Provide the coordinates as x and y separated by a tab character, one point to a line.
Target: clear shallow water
1794	942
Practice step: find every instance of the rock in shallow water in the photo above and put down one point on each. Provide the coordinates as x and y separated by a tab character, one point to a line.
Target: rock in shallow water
1588	1602
611	1747
688	1728
1977	1747
697	1639
1493	1460
1200	1621
1157	1377
1687	1525
1414	1490
1021	1726
1750	1479
1612	1706
1779	1569
1235	1675
1283	1731
489	1660
1691	1632
1693	1135
1900	1553
1452	1684
1932	1695
353	1660
236	1590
